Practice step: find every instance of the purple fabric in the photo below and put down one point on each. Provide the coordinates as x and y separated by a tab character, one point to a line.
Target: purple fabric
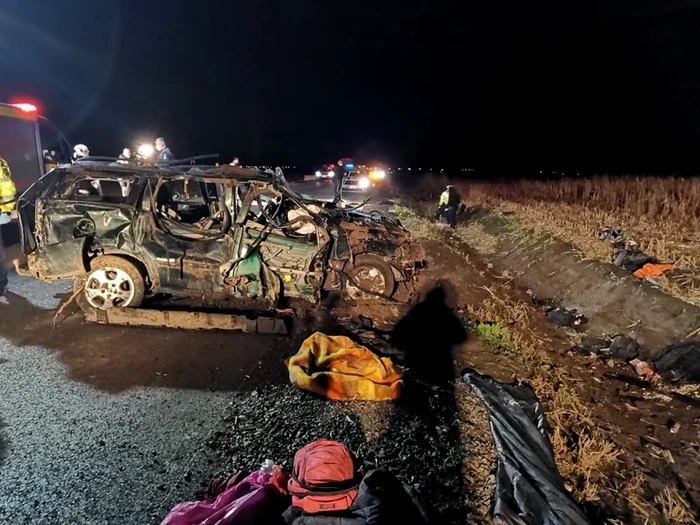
248	502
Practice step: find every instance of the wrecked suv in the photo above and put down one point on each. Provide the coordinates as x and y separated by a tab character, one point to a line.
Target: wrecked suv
219	236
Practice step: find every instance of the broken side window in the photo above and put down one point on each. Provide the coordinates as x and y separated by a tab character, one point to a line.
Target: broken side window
98	190
195	202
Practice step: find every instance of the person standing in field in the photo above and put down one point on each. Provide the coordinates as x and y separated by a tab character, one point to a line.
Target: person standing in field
449	202
8	195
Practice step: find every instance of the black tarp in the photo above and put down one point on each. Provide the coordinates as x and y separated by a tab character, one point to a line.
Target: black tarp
679	362
529	488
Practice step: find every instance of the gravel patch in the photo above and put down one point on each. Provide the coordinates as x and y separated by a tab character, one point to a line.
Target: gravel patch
417	437
70	453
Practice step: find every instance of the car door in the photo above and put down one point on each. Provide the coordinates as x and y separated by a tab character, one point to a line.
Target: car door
80	215
191	244
294	254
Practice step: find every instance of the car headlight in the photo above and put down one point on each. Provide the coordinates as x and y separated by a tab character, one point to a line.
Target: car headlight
318	173
331	174
363	183
381	174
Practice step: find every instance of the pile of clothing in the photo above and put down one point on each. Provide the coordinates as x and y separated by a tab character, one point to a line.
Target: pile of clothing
326	488
628	255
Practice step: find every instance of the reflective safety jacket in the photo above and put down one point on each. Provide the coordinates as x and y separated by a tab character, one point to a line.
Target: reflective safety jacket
8	190
444	198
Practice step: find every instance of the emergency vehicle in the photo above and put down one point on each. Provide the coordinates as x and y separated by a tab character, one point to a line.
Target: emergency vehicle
20	143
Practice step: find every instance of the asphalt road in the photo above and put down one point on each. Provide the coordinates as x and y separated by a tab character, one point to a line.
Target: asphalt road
325	190
107	424
104	424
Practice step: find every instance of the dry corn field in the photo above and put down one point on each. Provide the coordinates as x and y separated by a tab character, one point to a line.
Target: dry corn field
660	213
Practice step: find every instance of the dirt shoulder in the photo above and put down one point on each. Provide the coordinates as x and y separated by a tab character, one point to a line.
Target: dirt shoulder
611	432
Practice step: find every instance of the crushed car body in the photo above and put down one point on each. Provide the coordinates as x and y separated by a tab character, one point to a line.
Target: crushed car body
224	236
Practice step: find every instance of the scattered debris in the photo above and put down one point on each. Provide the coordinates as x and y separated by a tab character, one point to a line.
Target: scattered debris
674	427
679	362
327	488
611	234
620	347
593	346
630	257
528	482
186	320
652	271
260	497
282	419
624	348
563	317
642	368
338	368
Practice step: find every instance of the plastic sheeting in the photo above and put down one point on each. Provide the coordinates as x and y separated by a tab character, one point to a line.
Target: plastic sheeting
679	362
529	488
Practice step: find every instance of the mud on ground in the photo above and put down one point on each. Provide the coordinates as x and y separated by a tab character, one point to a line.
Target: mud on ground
611	436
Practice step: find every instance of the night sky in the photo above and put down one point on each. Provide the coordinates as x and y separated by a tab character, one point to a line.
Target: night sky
607	85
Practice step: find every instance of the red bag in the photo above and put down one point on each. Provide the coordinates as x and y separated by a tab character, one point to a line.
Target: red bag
325	478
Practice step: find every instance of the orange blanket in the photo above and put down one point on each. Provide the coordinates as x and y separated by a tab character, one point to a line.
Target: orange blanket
338	368
650	271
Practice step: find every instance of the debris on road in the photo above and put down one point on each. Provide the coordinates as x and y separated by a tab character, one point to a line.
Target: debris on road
528	482
281	419
327	488
260	497
338	368
187	320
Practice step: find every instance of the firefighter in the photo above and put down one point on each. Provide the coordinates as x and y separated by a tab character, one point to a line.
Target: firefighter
449	204
164	153
125	156
80	151
7	203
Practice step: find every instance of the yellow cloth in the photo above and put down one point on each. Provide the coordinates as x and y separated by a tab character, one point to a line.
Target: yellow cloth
444	198
338	368
8	190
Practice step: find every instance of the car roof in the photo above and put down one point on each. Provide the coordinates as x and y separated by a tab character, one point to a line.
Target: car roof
115	169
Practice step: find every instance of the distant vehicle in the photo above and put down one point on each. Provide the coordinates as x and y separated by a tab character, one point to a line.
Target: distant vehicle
213	235
326	172
357	180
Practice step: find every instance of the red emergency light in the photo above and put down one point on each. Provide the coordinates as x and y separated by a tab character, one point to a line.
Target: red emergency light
26	107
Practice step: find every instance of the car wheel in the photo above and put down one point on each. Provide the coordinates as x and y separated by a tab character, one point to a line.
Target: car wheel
112	282
370	274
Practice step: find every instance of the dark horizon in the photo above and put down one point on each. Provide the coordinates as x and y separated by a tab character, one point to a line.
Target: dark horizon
605	86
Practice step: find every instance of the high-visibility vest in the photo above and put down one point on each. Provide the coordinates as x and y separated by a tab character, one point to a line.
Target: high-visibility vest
444	198
8	191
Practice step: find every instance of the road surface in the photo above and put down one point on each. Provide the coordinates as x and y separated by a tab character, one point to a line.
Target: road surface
104	424
325	190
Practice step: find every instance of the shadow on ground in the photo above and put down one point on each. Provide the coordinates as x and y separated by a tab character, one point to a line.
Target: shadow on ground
116	358
428	334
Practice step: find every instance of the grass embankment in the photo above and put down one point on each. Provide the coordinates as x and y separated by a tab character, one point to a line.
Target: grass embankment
661	214
585	455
